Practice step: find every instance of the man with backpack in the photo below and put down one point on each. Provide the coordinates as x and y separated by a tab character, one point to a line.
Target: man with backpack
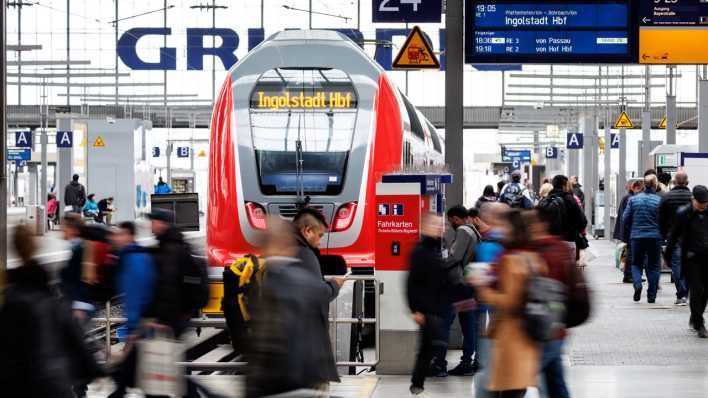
565	218
74	195
515	194
461	251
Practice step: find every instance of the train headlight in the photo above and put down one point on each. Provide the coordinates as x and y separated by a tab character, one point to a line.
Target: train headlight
256	215
344	217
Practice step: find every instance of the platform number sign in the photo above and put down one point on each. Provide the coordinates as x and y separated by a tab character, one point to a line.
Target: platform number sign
183	152
614	141
407	10
575	141
65	139
156	151
23	139
552	152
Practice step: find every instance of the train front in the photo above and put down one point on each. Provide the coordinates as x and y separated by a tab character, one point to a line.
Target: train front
306	117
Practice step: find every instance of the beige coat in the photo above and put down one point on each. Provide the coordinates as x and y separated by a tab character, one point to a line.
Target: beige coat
515	358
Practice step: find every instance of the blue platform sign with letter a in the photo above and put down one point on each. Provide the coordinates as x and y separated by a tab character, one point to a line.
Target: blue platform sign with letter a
551	152
614	141
23	139
156	151
575	141
65	139
406	10
183	152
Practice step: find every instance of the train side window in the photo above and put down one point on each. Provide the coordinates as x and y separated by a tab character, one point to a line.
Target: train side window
434	137
416	127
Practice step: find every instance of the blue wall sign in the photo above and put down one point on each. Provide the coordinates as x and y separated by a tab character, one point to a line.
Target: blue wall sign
18	154
23	139
156	151
552	152
575	141
406	10
515	164
65	139
509	155
182	151
571	31
614	141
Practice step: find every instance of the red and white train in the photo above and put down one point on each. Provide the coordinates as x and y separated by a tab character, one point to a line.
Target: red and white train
308	114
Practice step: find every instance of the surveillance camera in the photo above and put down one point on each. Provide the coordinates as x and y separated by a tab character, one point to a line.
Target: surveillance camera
538	106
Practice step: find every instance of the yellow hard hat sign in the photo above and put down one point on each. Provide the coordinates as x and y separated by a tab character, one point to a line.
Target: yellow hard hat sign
202	154
662	125
416	53
99	142
624	122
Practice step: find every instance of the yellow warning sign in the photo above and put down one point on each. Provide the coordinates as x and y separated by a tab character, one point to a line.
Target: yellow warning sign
202	154
662	125
83	143
99	142
416	53
624	122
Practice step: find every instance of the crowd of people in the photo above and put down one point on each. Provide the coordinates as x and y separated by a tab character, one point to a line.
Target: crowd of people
661	218
76	201
483	270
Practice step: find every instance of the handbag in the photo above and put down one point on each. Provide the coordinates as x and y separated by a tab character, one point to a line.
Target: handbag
158	372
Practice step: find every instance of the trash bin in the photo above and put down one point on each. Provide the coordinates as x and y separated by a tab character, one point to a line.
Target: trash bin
36	219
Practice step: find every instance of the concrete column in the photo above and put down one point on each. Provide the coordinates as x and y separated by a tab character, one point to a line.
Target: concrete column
646	142
703	115
454	63
622	171
589	163
606	175
65	161
671	119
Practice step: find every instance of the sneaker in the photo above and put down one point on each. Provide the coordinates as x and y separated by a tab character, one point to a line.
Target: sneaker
627	279
437	371
637	294
681	301
651	300
462	369
702	332
416	391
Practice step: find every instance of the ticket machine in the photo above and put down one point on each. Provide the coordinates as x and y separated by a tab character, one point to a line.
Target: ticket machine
401	199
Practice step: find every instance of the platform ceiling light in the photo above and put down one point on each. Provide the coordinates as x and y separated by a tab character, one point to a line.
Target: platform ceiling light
291	8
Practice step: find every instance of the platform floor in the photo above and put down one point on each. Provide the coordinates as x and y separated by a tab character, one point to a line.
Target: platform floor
628	350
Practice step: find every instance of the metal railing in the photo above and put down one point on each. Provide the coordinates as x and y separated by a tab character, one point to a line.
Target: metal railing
220	323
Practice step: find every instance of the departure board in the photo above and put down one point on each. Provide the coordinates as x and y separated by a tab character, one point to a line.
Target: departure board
673	32
571	31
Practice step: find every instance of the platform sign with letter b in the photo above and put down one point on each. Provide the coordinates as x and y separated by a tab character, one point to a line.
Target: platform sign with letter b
575	141
183	152
552	152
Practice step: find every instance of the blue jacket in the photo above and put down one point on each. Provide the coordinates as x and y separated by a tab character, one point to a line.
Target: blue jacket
136	280
162	189
91	206
642	215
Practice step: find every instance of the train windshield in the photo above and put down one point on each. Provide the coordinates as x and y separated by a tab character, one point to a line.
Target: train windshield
302	122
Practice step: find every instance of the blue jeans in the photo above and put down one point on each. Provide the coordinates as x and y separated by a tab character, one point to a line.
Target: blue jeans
553	383
468	324
677	274
651	249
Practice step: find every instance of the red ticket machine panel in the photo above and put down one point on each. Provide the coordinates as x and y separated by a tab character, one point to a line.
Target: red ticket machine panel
398	206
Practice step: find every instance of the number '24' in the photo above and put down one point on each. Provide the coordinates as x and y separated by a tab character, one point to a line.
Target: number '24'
385	7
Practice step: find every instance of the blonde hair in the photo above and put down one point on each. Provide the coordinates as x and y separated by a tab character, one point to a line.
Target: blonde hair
650	181
545	190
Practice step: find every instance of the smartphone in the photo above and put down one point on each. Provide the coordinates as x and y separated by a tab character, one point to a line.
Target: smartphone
348	274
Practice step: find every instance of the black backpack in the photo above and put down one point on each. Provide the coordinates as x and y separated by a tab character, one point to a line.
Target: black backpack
241	288
545	306
554	213
194	291
513	195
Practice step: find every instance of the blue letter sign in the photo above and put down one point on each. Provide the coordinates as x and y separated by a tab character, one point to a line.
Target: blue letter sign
406	10
65	139
551	152
614	141
156	151
23	139
575	141
183	152
129	55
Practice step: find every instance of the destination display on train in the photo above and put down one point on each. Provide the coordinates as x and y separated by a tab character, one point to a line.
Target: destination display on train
560	32
326	98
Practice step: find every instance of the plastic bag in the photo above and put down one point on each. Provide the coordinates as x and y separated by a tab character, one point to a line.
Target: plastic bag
586	257
158	372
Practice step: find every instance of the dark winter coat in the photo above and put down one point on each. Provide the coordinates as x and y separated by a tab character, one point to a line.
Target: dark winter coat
309	260
574	222
74	194
427	278
621	231
72	287
679	233
42	346
290	348
670	203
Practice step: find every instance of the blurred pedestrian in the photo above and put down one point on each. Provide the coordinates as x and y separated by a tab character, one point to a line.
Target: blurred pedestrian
487	196
515	194
545	190
500	186
162	188
621	231
642	217
426	293
76	278
691	229
568	220
310	226
136	283
74	195
671	202
515	358
664	182
461	251
577	190
42	346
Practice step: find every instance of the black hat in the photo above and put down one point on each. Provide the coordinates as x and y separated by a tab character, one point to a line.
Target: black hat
700	193
163	215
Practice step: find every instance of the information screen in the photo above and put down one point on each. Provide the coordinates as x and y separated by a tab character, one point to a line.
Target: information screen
513	31
673	31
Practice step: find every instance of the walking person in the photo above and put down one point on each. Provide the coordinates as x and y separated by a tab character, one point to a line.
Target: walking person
461	251
487	196
642	217
678	197
568	220
691	229
136	282
42	346
621	232
515	194
426	291
515	358
74	195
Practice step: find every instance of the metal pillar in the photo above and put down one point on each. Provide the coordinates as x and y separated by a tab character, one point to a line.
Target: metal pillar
622	172
573	162
453	99
3	141
19	53
589	163
606	176
43	140
646	142
68	53
358	15
703	114
213	59
164	73
310	14
671	106
116	41
65	161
